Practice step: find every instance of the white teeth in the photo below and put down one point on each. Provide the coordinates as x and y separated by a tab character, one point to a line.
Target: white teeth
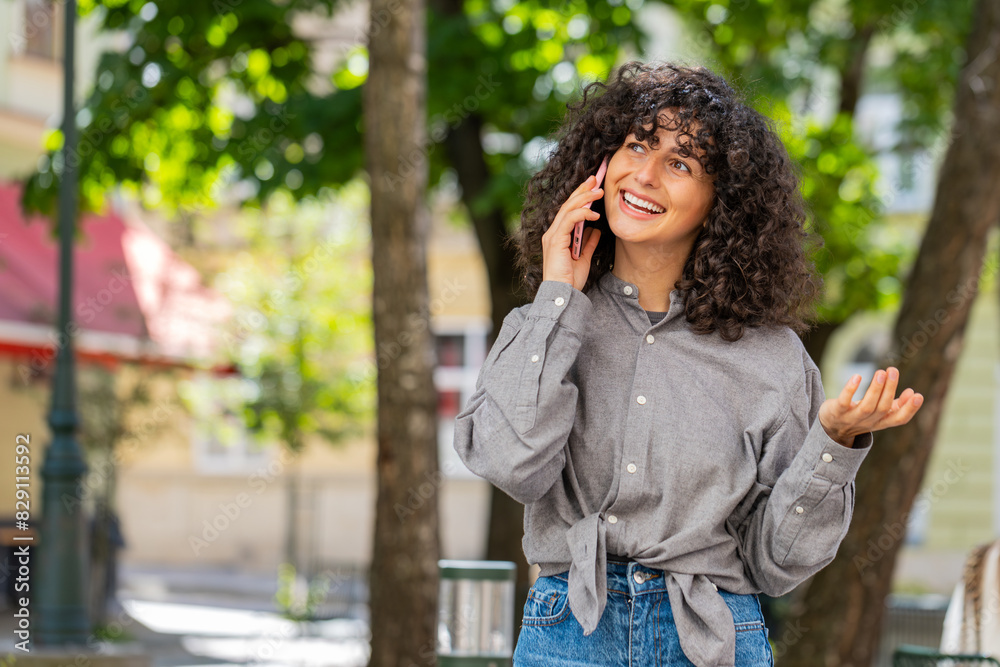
646	206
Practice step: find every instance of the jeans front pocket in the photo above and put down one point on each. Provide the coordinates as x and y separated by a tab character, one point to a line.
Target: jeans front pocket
548	601
752	647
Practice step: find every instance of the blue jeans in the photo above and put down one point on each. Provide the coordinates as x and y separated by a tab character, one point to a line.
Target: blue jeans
636	630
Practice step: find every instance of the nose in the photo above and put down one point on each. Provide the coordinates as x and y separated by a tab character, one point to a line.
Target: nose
647	175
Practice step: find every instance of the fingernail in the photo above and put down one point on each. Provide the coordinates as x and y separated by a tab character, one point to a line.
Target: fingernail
918	400
880	377
893	374
856	378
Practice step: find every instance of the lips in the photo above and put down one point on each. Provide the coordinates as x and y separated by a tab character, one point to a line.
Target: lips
628	209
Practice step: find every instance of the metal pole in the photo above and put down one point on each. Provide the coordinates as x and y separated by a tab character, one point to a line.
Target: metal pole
62	608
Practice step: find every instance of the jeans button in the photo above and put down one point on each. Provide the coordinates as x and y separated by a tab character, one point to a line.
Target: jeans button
637	576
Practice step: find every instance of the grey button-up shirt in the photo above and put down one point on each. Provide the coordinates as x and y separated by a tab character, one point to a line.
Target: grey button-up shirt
696	456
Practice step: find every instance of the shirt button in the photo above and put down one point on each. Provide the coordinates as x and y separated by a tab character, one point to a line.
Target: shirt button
560	301
827	458
627	290
612	518
799	509
649	339
534	358
715	587
641	400
630	467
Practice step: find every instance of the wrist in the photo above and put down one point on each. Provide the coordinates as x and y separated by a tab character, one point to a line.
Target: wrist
557	279
842	439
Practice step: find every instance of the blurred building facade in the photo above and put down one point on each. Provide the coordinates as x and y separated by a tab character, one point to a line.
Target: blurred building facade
186	501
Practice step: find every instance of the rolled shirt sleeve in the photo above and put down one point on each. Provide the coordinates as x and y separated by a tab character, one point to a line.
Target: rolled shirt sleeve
513	430
805	495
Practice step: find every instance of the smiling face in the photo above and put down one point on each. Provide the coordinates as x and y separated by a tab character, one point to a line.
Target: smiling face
656	197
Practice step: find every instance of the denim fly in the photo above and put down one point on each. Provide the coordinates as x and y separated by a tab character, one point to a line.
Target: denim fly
636	630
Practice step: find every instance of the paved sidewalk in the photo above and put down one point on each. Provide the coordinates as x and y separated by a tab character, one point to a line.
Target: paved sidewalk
192	619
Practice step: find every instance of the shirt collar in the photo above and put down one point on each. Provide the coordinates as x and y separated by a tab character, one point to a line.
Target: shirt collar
629	293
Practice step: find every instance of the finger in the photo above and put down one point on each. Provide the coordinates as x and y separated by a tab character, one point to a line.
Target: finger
870	400
591	237
582	189
581	198
901	416
589	197
570	218
903	399
562	226
888	396
844	400
588	183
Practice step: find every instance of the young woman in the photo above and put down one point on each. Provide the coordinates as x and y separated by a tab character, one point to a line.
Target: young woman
653	407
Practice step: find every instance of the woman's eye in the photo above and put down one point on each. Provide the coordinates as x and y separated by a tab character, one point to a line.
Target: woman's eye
680	165
635	145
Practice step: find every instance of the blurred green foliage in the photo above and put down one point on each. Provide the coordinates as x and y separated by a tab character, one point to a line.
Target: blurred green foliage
297	598
302	329
206	95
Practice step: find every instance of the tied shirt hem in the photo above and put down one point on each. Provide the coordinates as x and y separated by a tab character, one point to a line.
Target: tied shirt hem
704	621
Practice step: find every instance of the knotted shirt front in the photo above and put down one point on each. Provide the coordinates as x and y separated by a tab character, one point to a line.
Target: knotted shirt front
690	454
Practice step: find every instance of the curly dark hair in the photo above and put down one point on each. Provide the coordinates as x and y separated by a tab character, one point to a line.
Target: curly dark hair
749	265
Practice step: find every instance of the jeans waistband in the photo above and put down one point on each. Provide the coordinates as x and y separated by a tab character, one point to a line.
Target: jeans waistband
627	576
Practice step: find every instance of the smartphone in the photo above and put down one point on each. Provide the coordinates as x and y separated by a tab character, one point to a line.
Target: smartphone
578	228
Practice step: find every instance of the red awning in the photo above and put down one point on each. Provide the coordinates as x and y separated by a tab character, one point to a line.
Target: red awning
133	298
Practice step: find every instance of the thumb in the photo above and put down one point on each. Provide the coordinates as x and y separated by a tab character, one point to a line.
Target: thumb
590	243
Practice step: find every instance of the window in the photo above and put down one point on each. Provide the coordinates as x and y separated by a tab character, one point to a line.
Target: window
459	357
907	171
42	32
450	350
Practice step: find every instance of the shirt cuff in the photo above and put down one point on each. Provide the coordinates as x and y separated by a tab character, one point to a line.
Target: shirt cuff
829	459
556	300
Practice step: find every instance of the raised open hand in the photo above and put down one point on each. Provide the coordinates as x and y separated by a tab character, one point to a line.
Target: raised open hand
878	409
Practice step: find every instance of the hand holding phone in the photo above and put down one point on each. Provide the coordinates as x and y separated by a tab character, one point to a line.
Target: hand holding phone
578	228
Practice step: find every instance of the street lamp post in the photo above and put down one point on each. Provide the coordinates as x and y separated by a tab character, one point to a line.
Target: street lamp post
62	609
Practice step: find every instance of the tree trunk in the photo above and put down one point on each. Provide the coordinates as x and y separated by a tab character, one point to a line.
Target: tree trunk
404	570
851	77
841	616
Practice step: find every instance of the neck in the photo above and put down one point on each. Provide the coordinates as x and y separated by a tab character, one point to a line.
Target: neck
654	271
